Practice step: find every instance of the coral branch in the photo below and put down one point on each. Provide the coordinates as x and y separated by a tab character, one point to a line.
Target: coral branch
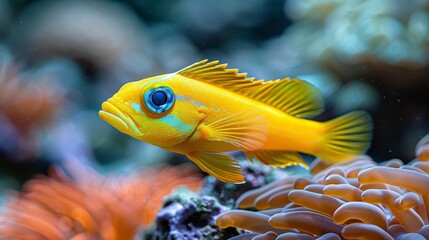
251	221
318	202
364	212
363	231
305	221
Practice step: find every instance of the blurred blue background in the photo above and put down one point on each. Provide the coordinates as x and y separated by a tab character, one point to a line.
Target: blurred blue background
59	60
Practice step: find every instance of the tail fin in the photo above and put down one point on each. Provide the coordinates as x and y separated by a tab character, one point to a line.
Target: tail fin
346	137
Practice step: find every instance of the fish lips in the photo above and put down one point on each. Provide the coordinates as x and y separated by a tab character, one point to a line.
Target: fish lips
118	119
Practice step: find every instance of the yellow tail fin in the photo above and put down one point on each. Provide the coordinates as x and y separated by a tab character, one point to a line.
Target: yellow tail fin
346	137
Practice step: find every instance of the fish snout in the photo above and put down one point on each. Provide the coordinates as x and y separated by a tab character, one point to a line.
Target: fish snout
116	117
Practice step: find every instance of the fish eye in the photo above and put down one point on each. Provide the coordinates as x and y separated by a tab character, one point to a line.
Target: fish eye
159	100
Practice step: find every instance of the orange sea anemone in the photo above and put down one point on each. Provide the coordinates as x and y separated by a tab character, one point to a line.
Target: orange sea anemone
355	200
95	208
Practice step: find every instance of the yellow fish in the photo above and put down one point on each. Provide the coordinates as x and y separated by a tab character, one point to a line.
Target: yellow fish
205	110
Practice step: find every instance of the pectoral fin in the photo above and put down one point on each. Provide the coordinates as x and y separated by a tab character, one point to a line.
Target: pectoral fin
277	158
221	166
245	129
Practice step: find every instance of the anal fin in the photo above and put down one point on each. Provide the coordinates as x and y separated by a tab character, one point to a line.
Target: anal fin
221	166
277	158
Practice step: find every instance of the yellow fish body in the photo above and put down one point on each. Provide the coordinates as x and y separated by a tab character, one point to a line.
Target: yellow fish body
205	110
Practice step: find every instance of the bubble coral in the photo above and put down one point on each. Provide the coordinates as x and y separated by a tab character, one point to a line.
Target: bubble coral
94	208
358	199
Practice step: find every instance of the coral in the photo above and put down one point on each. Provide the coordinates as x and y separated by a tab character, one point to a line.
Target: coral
255	175
99	37
188	216
348	32
28	102
422	149
94	207
358	199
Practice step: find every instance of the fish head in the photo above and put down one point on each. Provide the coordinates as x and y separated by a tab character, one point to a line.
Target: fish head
149	110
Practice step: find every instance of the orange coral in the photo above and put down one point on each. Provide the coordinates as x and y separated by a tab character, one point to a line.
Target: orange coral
26	103
96	208
422	149
353	200
25	107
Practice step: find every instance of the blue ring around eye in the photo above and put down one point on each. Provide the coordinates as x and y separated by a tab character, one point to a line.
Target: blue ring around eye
159	100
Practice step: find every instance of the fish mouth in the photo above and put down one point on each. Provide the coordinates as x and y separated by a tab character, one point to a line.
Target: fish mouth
118	119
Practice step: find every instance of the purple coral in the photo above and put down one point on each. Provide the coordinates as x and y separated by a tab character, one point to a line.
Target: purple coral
187	216
255	175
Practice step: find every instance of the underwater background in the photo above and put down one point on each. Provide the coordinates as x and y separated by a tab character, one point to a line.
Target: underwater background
66	174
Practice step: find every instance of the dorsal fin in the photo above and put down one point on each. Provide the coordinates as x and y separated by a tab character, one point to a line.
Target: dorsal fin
295	97
217	74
